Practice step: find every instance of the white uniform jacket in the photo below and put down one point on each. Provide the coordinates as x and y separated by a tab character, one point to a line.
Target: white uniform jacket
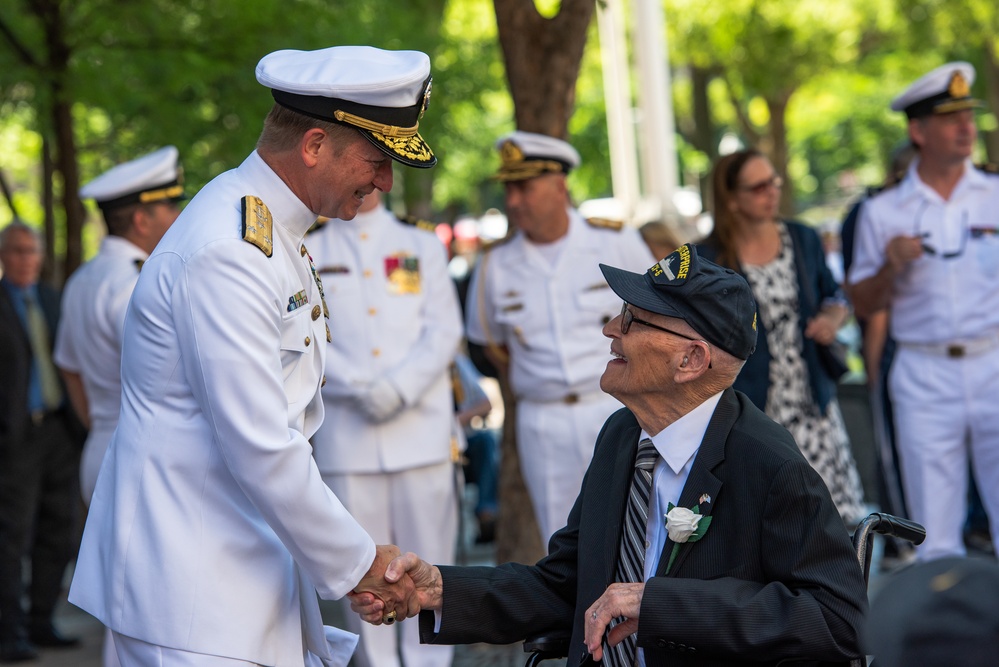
549	316
89	341
394	314
210	529
951	295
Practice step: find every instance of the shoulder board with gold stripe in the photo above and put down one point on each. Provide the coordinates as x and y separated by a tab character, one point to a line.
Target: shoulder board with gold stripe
414	221
988	167
258	224
495	243
604	223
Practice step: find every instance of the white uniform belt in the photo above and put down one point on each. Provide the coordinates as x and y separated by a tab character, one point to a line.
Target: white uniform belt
568	399
957	349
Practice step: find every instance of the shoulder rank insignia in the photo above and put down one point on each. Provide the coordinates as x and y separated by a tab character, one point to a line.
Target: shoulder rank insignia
258	224
604	223
414	221
988	167
495	243
138	264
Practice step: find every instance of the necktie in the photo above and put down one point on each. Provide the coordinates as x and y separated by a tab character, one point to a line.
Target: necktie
631	557
38	336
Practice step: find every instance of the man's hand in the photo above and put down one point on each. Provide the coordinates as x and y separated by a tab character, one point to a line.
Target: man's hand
902	251
428	590
618	600
393	595
380	401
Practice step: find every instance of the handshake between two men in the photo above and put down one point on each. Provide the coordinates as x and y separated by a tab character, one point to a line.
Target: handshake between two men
409	585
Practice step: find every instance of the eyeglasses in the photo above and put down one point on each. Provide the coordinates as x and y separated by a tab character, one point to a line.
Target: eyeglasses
628	317
775	181
930	250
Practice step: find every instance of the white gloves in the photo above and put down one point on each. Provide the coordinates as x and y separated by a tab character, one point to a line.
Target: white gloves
380	401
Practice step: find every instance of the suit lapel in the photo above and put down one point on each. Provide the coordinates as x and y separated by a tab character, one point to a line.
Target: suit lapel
617	495
702	482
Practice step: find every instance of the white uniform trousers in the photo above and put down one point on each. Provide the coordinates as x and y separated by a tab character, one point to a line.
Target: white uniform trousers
417	510
945	414
555	441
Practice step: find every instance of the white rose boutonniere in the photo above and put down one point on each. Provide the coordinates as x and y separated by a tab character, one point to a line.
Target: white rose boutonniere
684	525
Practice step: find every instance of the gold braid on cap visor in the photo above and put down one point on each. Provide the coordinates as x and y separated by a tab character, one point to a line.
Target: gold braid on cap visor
528	169
371	126
162	193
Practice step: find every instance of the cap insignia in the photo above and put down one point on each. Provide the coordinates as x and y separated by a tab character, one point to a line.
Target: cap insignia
958	86
510	154
674	266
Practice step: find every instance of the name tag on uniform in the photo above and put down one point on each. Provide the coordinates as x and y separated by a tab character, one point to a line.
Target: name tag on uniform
403	273
513	307
596	286
337	269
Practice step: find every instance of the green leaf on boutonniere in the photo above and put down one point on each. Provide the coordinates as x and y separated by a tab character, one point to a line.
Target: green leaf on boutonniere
684	525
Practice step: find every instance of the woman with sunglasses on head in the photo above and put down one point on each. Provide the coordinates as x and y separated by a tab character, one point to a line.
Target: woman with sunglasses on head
792	374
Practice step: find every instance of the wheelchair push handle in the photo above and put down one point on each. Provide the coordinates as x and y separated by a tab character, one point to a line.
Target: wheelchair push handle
895	526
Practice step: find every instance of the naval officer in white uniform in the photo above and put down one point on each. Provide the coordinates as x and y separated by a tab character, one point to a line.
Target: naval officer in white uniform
211	530
139	201
538	303
928	250
385	445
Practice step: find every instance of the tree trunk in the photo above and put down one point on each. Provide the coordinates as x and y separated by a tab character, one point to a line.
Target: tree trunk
48	210
703	136
62	126
779	150
542	58
991	78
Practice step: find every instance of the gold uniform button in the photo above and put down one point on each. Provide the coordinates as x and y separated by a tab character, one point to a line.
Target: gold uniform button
375	352
329	337
324	382
372	311
304	251
308	341
367	273
364	236
316	312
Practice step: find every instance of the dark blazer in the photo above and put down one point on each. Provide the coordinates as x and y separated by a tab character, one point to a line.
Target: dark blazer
16	360
775	576
815	284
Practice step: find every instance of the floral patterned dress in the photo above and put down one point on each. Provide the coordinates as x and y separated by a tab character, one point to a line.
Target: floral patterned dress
822	438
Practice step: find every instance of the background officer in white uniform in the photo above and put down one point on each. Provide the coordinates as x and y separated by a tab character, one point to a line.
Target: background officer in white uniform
538	302
211	530
139	202
928	249
385	445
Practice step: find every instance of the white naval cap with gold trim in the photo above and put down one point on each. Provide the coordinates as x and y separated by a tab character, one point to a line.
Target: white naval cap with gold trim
154	177
944	90
383	94
525	155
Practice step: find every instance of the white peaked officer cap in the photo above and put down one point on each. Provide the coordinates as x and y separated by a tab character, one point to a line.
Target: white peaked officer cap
145	180
383	94
525	155
944	90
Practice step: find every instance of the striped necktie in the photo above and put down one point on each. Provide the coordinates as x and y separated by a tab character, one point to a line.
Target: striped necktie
631	558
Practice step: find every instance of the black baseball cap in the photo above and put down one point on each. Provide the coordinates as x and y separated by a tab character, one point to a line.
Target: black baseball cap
717	302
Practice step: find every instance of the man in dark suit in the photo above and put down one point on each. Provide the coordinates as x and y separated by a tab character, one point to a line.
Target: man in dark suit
39	457
753	566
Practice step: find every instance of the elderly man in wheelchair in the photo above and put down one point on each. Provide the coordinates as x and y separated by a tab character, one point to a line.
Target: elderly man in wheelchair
700	536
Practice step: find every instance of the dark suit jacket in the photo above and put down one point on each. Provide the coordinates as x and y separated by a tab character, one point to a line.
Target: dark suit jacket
775	576
16	360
